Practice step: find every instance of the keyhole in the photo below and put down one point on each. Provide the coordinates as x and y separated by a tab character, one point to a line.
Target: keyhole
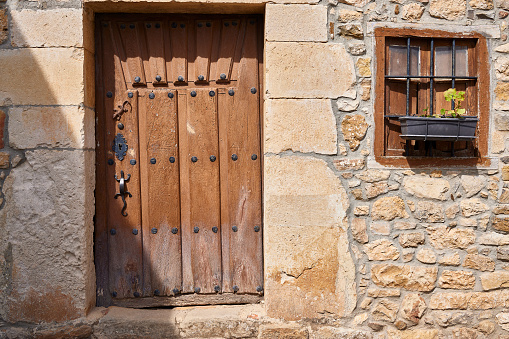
119	146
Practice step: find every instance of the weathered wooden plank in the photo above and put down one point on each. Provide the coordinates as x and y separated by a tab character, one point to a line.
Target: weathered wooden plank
130	45
159	164
239	117
105	79
190	300
228	43
203	47
199	184
154	33
125	245
178	36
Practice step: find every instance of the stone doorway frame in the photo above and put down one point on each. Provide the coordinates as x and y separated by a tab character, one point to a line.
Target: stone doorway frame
90	8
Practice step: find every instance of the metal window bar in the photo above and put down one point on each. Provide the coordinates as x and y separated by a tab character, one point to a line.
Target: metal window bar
407	143
431	73
453	73
432	77
408	75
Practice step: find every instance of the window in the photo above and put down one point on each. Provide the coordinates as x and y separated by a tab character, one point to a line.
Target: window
413	70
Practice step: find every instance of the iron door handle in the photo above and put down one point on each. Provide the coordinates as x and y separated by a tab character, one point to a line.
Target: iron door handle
123	190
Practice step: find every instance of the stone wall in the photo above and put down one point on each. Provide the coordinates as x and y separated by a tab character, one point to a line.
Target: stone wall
351	249
429	247
47	162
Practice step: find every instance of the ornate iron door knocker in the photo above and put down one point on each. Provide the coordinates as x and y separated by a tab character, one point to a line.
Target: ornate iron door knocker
121	110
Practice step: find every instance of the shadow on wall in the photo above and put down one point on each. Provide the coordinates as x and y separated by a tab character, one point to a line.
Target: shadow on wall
47	163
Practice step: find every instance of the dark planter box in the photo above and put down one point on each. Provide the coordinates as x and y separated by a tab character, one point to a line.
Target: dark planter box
439	129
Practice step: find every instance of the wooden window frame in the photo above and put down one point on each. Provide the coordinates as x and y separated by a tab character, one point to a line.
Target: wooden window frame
483	99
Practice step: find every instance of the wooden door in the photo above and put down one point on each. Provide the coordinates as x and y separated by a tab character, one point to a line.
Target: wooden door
178	196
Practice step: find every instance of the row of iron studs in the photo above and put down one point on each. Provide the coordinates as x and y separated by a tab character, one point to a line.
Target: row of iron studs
152	95
175	230
176	291
175	25
153	161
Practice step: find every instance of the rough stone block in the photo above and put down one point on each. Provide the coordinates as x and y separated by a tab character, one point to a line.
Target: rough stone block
450	260
501	224
502	91
356	3
385	310
304	283
357	48
502	68
443	237
345	164
389	208
379	293
276	332
503	320
380	227
364	67
494	239
495	280
425	187
51	241
412	239
366	89
373	175
31	127
426	256
448	9
361	210
307	70
413	307
413	278
351	31
358	227
429	212
481	4
339	332
449	301
346	15
393	333
41	76
412	12
381	249
459	280
503	253
62	27
300	126
308	23
501	209
354	128
473	206
472	184
479	262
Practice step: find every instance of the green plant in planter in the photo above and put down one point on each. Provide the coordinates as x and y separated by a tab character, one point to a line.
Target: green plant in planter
450	95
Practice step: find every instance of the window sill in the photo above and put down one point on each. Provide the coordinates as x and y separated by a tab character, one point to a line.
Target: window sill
487	163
